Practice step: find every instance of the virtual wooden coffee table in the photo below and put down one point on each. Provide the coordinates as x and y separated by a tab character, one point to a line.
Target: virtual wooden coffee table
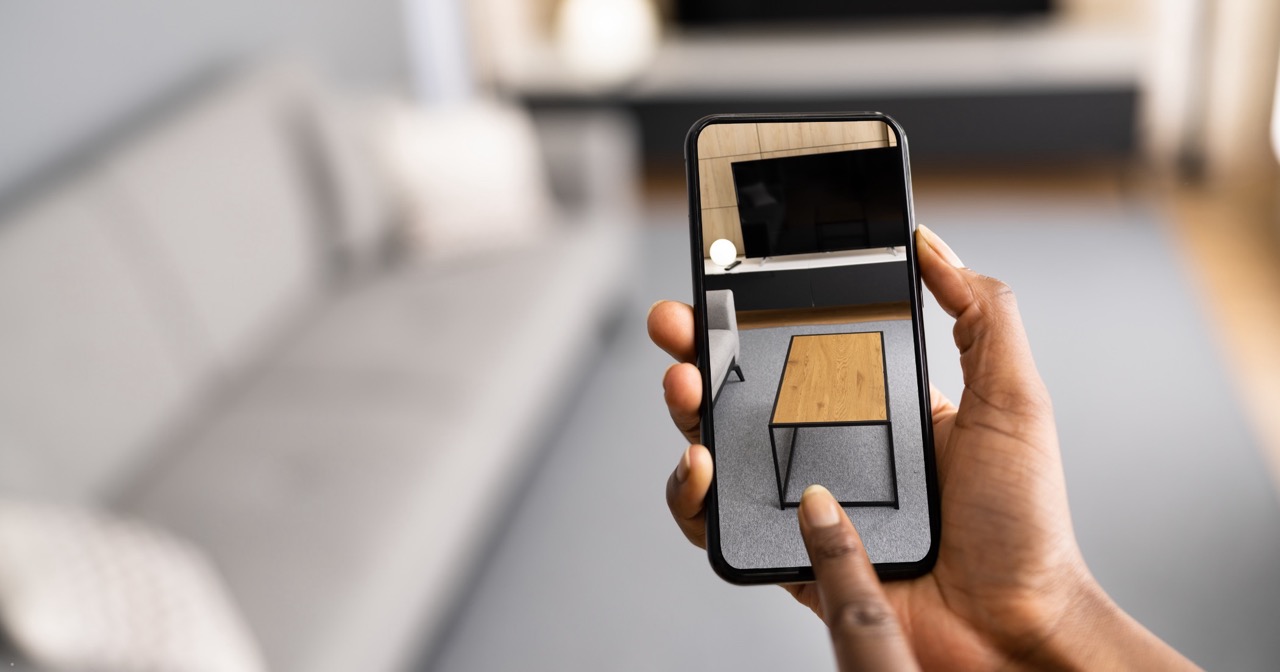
832	380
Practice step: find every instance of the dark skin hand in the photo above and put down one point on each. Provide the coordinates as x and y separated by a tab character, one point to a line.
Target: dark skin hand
1010	588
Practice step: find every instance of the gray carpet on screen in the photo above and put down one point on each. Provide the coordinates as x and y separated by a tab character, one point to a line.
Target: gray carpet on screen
852	462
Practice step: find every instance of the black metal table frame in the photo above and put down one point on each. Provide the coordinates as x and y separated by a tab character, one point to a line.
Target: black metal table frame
784	483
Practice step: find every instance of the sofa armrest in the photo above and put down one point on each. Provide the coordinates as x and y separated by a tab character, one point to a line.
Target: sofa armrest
592	159
721	313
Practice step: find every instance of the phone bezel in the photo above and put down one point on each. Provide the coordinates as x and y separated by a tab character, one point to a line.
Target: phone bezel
886	571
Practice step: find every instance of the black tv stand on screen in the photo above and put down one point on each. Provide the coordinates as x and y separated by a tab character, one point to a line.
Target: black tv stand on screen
828	286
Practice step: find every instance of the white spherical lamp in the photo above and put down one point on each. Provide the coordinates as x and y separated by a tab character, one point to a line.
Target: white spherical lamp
723	252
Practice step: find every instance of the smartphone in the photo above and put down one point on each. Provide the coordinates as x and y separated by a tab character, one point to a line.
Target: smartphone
810	339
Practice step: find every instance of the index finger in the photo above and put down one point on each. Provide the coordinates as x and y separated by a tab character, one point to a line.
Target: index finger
671	328
864	628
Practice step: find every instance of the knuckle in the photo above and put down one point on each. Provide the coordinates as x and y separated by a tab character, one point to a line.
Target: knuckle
1013	400
838	547
673	493
994	307
992	286
864	616
996	293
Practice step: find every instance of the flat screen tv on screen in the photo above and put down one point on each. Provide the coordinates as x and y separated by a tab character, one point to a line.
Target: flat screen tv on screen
820	202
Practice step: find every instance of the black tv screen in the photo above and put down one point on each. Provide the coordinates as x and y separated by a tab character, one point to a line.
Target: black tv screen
821	202
721	12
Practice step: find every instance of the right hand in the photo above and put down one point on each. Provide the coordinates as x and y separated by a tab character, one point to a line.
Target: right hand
1010	586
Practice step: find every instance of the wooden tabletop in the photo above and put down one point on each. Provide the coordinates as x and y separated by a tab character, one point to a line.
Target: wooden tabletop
833	378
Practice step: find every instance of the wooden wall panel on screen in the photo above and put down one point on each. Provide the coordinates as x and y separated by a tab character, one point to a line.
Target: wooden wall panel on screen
778	137
720	223
719	140
801	135
831	133
716	181
866	131
719	145
805	151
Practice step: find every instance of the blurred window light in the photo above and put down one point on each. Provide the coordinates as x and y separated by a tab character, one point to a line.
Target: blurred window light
606	42
1275	117
438	49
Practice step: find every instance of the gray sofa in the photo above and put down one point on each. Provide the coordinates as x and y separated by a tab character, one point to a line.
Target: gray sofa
203	330
722	338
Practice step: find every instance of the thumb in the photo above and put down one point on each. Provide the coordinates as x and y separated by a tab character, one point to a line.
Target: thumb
995	356
864	628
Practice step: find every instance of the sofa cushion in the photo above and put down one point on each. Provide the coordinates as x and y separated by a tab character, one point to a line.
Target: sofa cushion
470	178
219	196
92	373
721	345
82	590
345	494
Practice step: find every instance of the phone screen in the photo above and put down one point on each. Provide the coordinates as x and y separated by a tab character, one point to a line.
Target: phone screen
811	346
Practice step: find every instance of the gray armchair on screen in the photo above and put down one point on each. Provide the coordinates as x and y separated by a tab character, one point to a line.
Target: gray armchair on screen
722	338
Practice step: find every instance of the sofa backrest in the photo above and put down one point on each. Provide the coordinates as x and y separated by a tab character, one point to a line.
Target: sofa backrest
129	296
219	197
91	370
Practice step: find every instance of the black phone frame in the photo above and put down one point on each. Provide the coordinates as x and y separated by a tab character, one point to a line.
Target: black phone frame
768	575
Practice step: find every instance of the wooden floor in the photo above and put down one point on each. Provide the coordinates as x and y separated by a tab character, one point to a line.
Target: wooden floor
761	319
833	378
1231	241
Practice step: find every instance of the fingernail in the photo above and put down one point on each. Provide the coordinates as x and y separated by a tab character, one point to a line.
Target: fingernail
819	508
667	373
941	246
655	305
682	468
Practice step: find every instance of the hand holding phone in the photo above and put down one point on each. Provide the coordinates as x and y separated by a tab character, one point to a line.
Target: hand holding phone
1010	586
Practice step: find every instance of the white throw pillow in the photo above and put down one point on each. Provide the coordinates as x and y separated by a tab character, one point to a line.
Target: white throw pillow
82	590
470	178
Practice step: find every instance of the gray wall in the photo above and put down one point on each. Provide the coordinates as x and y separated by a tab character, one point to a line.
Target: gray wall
71	70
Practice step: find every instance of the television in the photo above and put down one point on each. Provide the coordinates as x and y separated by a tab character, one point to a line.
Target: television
726	12
827	202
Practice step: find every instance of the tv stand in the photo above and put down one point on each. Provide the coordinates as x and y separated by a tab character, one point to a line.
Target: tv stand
814	280
795	262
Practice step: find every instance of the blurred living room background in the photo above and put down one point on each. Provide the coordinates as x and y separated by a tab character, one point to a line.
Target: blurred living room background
323	322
